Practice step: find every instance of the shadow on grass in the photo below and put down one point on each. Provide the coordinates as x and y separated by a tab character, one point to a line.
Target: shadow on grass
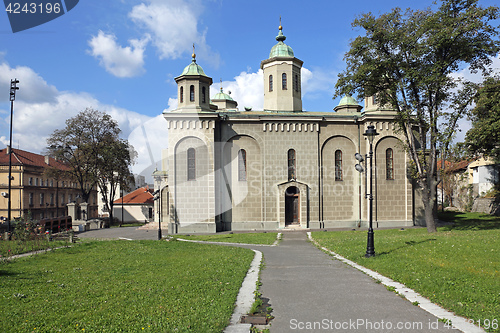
469	221
408	244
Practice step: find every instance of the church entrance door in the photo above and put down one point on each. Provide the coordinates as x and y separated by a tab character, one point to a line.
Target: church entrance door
292	196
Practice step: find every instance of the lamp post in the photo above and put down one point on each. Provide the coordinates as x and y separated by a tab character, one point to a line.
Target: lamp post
13	88
370	134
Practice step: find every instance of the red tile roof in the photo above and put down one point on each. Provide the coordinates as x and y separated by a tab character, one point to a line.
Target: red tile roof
453	166
142	195
22	157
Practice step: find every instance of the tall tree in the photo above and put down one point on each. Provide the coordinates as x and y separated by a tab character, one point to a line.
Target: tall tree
406	60
90	145
484	136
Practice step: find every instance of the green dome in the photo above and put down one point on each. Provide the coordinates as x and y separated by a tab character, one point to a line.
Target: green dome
281	49
222	95
193	68
348	100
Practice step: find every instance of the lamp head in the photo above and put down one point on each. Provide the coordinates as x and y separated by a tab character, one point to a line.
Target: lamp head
359	157
359	168
370	133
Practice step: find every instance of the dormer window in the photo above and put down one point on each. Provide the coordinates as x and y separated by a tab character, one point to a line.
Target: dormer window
203	95
270	83
283	81
181	95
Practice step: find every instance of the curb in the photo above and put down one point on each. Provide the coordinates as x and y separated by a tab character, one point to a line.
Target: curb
246	297
459	323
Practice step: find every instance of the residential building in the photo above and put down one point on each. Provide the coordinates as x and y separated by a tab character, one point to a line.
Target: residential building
137	206
35	190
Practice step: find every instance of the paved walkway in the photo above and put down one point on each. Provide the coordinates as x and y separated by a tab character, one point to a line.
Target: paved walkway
310	291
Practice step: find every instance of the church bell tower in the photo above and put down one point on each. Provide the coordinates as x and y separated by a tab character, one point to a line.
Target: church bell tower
282	78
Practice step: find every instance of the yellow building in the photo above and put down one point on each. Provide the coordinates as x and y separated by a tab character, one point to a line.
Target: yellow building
33	190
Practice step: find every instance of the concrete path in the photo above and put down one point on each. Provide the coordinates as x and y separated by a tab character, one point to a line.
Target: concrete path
127	233
309	291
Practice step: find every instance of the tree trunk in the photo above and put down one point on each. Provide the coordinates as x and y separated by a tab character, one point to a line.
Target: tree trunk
429	199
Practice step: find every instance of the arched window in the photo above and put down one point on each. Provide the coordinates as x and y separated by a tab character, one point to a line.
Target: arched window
291	164
181	95
270	83
203	95
191	164
296	82
389	163
338	165
191	93
283	81
242	165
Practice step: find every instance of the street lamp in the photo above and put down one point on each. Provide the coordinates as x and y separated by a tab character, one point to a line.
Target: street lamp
13	88
370	134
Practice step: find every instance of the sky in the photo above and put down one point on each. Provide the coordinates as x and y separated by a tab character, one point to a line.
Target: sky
121	57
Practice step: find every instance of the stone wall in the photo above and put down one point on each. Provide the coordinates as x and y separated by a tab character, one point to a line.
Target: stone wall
487	205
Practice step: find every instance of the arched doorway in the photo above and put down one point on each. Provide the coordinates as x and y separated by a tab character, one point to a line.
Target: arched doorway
292	207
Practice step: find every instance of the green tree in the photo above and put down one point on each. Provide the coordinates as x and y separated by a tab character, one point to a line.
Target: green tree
484	136
405	60
90	145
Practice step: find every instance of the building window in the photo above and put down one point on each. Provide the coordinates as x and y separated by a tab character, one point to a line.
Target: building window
203	95
36	181
389	163
31	199
181	95
296	82
30	181
51	199
42	199
283	81
62	199
338	165
291	164
191	161
270	83
242	165
191	93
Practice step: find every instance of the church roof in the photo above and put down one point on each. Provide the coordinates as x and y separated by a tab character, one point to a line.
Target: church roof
348	100
222	95
281	49
193	68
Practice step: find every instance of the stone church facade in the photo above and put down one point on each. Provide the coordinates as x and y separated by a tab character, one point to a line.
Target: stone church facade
279	167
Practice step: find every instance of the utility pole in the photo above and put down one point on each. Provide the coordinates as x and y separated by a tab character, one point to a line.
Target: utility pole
13	88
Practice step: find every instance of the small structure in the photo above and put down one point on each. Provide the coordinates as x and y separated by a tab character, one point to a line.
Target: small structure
136	206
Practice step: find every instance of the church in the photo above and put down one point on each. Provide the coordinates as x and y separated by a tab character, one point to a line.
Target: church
280	167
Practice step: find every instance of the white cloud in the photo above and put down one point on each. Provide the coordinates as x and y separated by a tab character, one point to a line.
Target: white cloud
247	89
36	116
34	87
120	61
173	26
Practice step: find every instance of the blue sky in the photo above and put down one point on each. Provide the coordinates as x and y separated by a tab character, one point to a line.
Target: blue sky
121	56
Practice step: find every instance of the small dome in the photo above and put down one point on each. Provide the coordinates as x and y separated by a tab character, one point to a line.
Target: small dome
348	100
281	49
222	95
193	68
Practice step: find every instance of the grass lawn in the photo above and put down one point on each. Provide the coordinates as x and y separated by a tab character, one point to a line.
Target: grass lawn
458	267
10	248
123	286
267	238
